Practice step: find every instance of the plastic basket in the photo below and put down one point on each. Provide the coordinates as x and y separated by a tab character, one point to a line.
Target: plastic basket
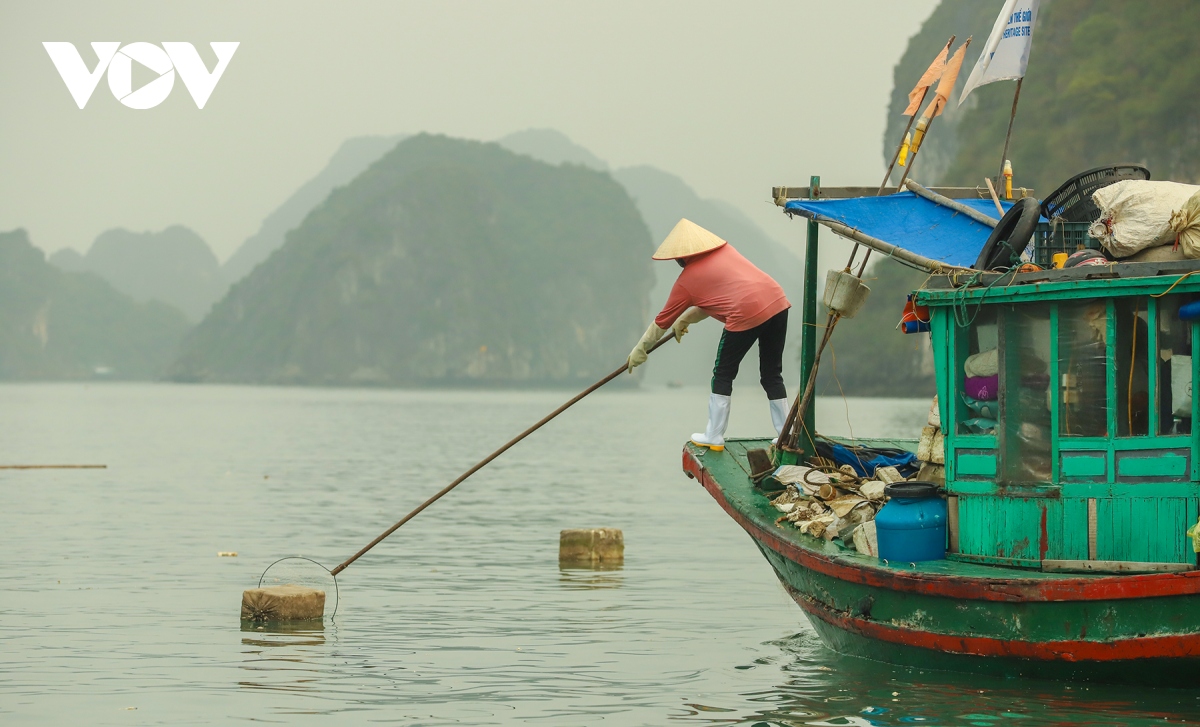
1072	202
1067	237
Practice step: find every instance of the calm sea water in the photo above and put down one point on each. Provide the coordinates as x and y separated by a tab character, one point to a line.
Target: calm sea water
116	610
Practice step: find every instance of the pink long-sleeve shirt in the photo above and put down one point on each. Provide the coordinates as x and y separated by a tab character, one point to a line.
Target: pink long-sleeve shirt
727	287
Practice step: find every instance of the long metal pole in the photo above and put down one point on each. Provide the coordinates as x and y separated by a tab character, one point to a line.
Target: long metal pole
483	462
1012	117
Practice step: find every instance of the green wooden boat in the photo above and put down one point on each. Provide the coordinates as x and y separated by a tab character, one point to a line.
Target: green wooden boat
1067	555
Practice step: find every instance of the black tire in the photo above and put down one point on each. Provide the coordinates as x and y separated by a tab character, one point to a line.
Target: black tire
1004	246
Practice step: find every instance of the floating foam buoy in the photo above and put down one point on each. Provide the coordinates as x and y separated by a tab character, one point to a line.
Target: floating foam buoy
591	547
283	603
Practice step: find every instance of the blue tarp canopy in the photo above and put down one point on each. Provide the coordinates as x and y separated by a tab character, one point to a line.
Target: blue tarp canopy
908	221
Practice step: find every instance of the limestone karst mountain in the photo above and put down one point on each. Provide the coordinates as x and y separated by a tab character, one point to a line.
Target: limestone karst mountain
64	325
446	262
174	266
351	158
1108	82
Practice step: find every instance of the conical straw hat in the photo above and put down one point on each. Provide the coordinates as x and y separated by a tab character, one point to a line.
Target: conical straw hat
685	240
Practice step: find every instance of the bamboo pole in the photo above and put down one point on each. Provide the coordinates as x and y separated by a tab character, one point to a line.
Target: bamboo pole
1011	117
53	466
913	159
483	462
888	175
995	198
948	203
895	157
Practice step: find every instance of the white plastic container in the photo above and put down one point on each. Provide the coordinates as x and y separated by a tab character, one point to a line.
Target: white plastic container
844	293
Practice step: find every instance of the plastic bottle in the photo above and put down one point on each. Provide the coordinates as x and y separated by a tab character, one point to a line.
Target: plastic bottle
1007	179
904	149
919	134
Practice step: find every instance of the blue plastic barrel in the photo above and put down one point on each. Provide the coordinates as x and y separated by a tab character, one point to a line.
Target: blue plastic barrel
912	525
1189	311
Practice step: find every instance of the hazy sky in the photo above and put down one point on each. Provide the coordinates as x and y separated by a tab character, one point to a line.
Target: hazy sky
733	97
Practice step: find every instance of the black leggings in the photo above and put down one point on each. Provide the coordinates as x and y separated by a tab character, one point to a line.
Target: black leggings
736	344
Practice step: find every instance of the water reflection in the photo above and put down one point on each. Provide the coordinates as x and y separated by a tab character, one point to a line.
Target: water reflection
281	656
283	633
827	689
591	577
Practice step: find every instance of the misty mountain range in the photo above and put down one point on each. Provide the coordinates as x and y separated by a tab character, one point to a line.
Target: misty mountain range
176	267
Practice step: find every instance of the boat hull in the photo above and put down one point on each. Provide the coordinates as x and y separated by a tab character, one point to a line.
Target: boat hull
1140	629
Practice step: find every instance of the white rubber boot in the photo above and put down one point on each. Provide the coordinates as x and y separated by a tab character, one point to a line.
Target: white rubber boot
779	412
718	418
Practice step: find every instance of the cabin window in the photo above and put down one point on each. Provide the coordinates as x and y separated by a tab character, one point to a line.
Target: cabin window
1133	380
1174	363
1083	367
1024	434
980	378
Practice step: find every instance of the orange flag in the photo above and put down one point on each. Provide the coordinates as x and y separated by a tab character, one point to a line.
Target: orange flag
946	85
933	73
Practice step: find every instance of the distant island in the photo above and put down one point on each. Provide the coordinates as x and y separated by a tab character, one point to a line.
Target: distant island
57	325
447	262
174	266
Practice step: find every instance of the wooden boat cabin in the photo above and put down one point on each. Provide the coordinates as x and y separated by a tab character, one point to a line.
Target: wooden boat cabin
1065	395
1084	453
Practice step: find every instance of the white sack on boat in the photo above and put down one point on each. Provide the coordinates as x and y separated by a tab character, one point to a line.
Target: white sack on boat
817	526
935	416
843	505
866	540
984	363
937	449
794	474
935	473
887	475
872	490
806	479
925	444
1136	214
1185	223
1160	254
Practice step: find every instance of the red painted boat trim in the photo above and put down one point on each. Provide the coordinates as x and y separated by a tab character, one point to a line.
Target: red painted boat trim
1094	588
1146	647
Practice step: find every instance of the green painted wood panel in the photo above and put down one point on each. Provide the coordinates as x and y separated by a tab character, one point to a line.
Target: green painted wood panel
1145	529
1004	527
1084	465
1160	465
1069	540
977	464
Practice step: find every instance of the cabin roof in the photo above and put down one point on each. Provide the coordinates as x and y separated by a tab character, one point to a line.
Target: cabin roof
935	236
1078	282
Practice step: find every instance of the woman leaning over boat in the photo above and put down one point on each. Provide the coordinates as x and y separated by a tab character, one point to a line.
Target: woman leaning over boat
718	282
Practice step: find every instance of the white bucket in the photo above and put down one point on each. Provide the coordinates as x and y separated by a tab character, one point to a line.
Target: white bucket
844	293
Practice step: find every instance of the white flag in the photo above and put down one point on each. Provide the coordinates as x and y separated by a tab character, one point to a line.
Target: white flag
1007	51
